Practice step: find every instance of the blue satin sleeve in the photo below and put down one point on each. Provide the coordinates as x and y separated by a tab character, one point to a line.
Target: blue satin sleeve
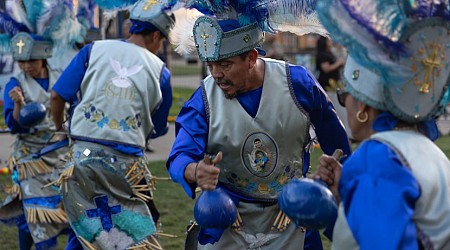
68	84
310	95
8	108
379	195
159	117
191	131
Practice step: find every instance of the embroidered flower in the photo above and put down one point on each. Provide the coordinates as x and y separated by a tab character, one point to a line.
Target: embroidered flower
102	122
124	125
92	114
114	124
283	179
97	116
39	232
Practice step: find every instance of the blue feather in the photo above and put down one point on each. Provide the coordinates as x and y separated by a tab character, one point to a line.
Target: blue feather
33	9
384	20
429	8
114	4
10	26
5	47
446	98
85	13
354	38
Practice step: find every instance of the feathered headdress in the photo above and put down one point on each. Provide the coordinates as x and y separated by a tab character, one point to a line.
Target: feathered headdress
405	43
54	20
295	16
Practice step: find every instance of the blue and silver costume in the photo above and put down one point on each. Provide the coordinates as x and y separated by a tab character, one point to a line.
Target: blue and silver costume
109	143
412	183
193	135
42	212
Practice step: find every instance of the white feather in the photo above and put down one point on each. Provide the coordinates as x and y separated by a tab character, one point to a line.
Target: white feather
64	33
302	25
110	14
295	16
18	13
181	35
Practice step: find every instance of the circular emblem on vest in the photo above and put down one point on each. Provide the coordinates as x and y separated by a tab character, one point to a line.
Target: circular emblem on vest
259	154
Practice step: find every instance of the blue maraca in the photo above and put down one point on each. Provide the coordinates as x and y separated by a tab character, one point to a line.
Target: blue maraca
309	203
214	209
32	114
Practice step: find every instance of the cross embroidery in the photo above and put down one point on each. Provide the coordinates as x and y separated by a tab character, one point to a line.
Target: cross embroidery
431	64
104	211
20	44
149	3
204	36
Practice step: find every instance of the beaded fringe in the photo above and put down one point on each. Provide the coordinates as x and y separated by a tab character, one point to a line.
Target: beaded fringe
281	222
24	149
11	163
14	190
36	215
134	176
87	244
33	168
151	244
66	174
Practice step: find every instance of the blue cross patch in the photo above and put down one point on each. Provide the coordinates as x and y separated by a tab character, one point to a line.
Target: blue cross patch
104	211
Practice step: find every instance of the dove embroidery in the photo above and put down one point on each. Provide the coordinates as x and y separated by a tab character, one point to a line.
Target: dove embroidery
121	80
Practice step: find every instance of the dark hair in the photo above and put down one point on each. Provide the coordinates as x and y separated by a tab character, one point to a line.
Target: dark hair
322	43
244	55
147	32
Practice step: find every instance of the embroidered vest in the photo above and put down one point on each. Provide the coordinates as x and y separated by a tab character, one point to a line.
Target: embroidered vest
119	92
33	92
261	154
431	168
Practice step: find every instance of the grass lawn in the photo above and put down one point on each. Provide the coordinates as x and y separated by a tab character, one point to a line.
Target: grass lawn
180	96
2	120
188	69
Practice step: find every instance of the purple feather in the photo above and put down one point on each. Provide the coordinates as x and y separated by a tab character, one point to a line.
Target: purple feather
427	8
363	17
86	10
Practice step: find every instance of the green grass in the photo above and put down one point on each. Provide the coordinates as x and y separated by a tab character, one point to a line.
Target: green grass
180	96
2	118
188	69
